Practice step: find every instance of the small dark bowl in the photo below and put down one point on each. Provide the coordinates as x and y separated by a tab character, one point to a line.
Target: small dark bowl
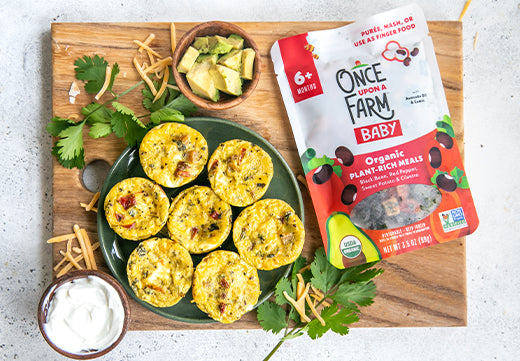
46	299
215	28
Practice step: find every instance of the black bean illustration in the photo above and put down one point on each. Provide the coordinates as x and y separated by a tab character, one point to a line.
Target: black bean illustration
435	157
400	52
322	174
407	61
444	139
446	182
344	156
348	196
414	52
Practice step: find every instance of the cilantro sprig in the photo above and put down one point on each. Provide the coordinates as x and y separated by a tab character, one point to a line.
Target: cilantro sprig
109	117
344	293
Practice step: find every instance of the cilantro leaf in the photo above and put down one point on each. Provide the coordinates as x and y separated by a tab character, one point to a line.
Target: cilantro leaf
271	317
100	130
336	321
97	113
283	285
350	295
126	125
148	98
166	115
57	125
76	162
324	275
361	273
92	71
70	143
445	125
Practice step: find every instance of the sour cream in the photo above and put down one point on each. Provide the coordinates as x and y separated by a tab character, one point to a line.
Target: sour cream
85	315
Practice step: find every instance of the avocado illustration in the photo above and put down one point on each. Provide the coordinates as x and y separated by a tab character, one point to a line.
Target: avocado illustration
348	245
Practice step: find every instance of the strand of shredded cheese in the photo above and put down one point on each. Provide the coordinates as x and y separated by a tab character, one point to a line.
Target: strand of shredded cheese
159	65
71	259
464	9
69	266
298	306
146	47
62	238
144	76
173	37
475	41
85	205
163	85
88	246
92	201
313	310
108	75
79	236
302	180
147	41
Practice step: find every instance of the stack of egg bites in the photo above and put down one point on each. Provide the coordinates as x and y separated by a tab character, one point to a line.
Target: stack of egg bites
267	233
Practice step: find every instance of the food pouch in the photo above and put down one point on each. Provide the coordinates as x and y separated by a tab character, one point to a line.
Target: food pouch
371	122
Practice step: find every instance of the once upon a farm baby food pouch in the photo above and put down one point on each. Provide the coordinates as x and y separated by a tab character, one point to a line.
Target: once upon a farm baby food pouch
371	123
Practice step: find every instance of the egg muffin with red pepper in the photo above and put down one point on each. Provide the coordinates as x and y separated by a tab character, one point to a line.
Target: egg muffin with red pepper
136	208
269	234
160	271
224	286
199	219
173	154
240	172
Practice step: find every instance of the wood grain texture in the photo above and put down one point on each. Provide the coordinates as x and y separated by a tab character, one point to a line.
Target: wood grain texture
423	288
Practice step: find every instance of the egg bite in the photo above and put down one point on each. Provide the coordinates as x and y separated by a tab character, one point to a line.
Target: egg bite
240	172
173	154
160	271
224	286
268	234
136	208
199	219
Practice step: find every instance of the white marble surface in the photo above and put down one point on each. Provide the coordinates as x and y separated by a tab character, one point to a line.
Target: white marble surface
492	128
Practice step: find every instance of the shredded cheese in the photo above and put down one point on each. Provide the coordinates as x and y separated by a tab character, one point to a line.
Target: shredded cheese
298	306
62	238
173	37
69	257
85	205
464	9
475	41
145	77
146	47
159	65
108	75
88	245
79	236
69	266
92	201
313	310
163	85
147	41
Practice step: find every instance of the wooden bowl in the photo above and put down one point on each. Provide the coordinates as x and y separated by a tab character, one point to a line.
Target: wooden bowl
48	295
215	28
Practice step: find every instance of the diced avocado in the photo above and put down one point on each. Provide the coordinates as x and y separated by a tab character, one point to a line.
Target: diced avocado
219	45
226	79
201	43
187	60
232	60
248	61
211	58
237	41
201	82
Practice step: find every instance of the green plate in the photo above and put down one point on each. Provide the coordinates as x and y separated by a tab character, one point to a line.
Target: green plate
116	250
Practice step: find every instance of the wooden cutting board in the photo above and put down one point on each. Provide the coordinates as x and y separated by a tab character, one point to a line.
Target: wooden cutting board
424	288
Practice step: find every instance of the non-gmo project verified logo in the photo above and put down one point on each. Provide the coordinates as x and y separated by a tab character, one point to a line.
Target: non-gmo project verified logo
453	219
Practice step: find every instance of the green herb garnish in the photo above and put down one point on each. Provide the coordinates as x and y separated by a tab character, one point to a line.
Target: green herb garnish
112	116
345	290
